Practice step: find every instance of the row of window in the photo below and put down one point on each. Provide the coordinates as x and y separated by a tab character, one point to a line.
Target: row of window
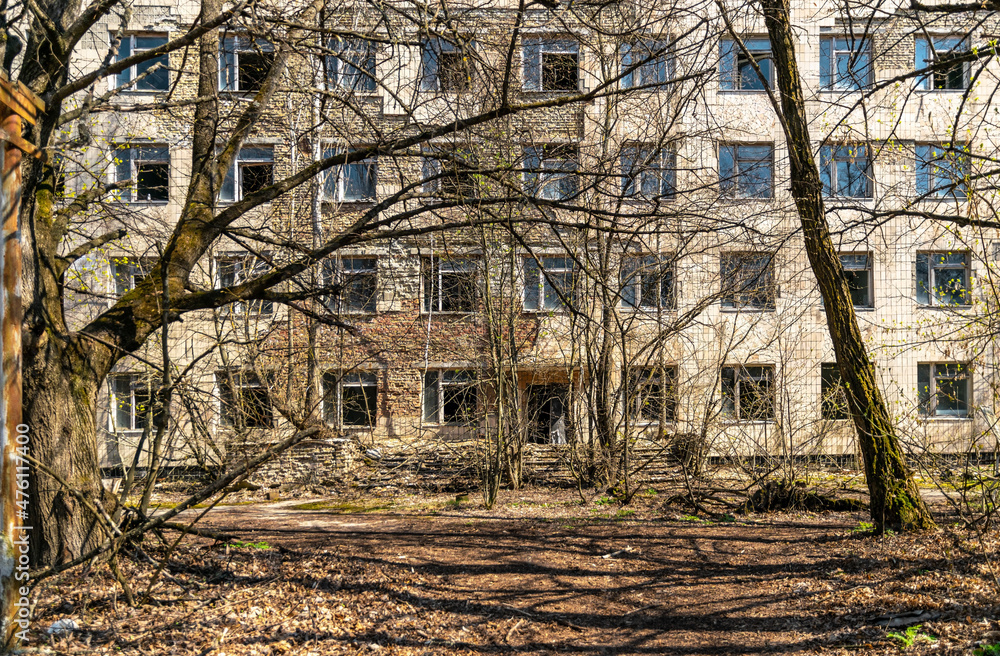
553	64
551	172
452	397
648	282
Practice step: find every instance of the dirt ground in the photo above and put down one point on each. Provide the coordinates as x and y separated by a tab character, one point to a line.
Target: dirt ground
542	573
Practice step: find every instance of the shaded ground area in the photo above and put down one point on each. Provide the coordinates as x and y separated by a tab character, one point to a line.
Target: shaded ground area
543	574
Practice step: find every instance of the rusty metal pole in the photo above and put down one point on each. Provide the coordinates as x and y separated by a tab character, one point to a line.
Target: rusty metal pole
16	103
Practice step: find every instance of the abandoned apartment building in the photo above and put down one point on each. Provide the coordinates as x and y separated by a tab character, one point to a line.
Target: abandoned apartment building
699	296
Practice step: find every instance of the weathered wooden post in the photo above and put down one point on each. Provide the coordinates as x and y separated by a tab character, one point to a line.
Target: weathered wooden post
16	104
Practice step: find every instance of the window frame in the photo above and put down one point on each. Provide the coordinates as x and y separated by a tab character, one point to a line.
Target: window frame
242	379
135	381
333	397
633	272
833	396
929	81
533	51
151	154
733	408
549	167
338	176
543	284
125	281
830	158
432	282
850	262
927	297
928	398
929	174
733	300
439	380
433	74
831	49
639	377
229	60
639	163
661	68
462	167
731	79
341	68
733	185
243	159
259	266
125	81
335	273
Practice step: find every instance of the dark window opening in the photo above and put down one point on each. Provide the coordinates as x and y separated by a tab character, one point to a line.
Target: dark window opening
547	408
833	400
748	393
943	389
450	285
748	281
245	401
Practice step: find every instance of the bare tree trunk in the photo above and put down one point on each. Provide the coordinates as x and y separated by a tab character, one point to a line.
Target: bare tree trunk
895	500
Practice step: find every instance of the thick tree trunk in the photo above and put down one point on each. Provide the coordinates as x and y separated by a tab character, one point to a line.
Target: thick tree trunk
60	402
895	500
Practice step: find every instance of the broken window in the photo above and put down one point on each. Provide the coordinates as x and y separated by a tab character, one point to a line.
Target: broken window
551	65
547	408
244	63
833	403
244	400
449	285
737	66
748	393
350	399
356	279
148	170
450	397
352	67
347	183
133	398
652	393
446	66
748	281
251	171
233	270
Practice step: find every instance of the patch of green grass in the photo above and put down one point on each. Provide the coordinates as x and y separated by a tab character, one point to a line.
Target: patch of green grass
344	507
696	519
604	501
863	527
651	492
624	513
987	650
911	636
727	518
240	544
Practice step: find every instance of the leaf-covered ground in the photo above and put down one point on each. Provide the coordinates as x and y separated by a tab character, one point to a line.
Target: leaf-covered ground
540	574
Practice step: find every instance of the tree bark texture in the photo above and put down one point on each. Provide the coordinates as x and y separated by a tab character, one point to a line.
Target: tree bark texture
895	500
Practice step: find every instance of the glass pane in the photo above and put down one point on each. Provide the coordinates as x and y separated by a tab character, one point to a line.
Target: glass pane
531	284
924	387
158	80
124	52
431	396
727	169
727	65
729	391
950	286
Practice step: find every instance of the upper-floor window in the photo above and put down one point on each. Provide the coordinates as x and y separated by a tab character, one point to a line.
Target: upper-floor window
746	171
151	74
943	278
649	172
251	170
347	183
350	399
148	169
352	66
128	271
449	285
737	71
748	280
943	170
244	63
450	397
646	63
845	171
551	64
445	66
944	389
452	171
940	53
133	399
845	63
748	392
236	269
833	396
244	400
356	282
648	282
551	171
652	393
858	272
551	287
